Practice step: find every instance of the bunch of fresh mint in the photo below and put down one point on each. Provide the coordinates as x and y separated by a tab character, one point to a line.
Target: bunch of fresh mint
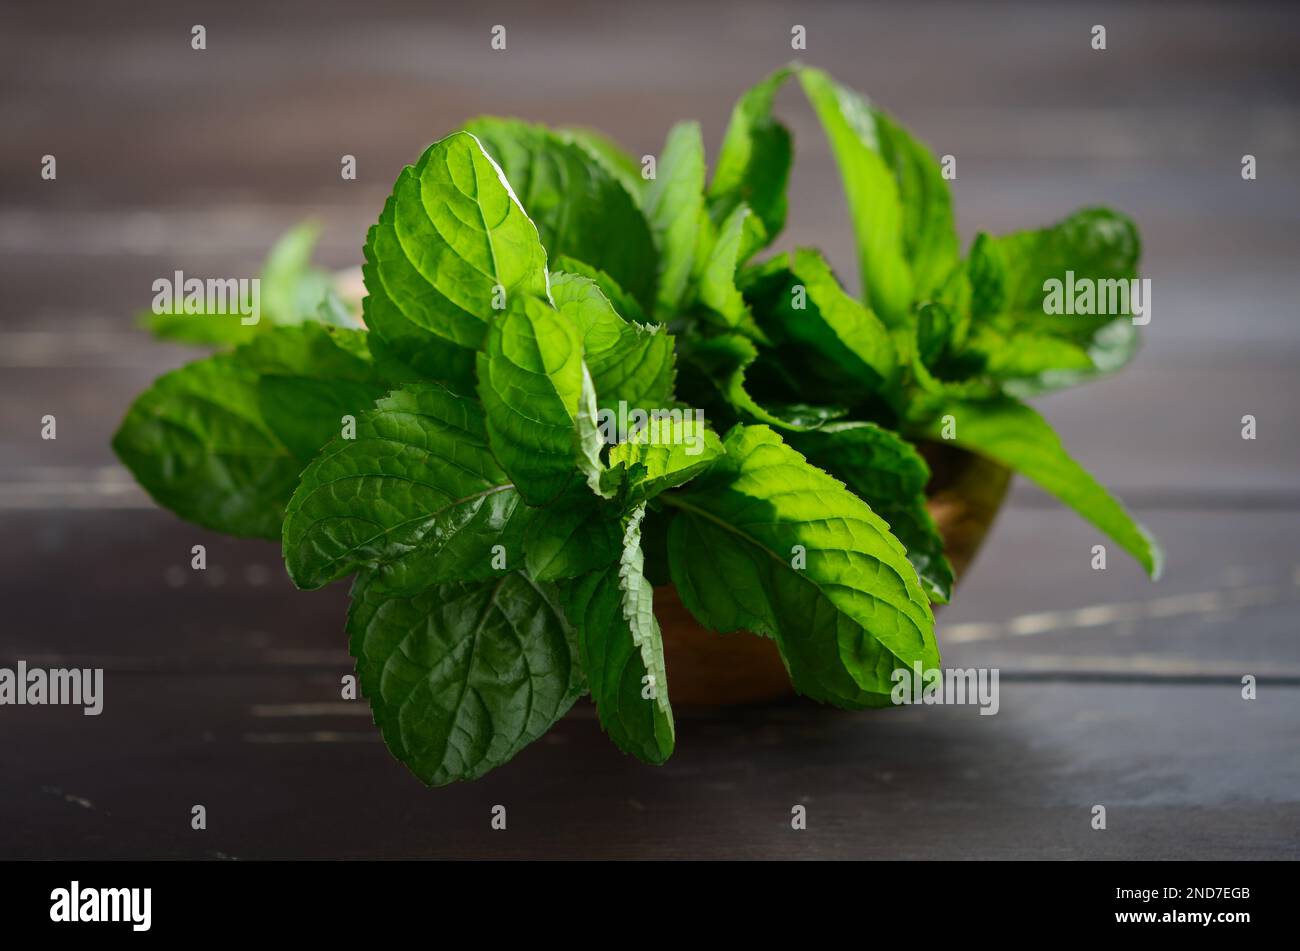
507	455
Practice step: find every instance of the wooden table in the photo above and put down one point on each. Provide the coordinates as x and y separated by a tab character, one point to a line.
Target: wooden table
224	691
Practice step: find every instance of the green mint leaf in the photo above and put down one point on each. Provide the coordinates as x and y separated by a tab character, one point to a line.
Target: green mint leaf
539	400
1094	243
198	443
1011	433
723	362
625	305
221	441
629	362
988	271
309	378
199	329
956	296
580	209
622	651
335	312
929	231
1110	349
767	543
935	326
799	301
754	162
669	451
610	154
1025	354
587	437
925	392
390	364
716	272
674	205
461	677
574	535
451	243
1097	245
292	290
416	496
885	471
654	545
899	203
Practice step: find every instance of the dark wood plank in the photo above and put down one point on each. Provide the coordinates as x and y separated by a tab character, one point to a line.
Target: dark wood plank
222	689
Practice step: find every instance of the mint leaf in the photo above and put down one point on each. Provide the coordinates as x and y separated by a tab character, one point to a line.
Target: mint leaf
310	377
572	536
885	471
221	441
716	278
674	205
754	162
539	401
417	497
767	543
199	445
799	302
1014	435
629	362
988	271
578	206
461	677
1110	349
452	241
1094	243
936	327
390	363
611	155
929	233
1025	354
624	304
199	329
667	453
723	362
335	312
622	651
1097	245
925	391
292	290
899	203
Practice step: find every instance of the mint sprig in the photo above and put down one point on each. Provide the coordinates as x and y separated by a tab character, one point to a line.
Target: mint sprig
504	448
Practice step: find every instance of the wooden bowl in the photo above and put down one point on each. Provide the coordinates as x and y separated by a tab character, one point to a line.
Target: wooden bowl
708	669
